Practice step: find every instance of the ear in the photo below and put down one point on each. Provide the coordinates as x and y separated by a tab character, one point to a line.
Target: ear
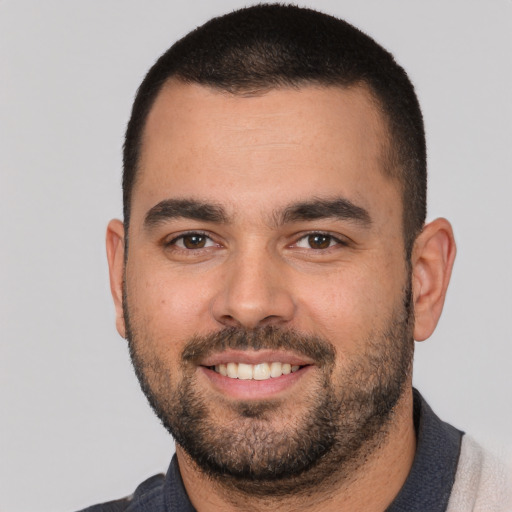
115	256
432	261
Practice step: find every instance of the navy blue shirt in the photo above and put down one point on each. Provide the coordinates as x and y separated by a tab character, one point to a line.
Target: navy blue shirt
427	487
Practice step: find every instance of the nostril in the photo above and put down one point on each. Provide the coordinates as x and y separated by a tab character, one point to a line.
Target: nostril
230	321
271	320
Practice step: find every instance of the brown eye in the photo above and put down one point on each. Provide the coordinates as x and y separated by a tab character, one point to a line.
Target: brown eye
319	241
194	241
191	243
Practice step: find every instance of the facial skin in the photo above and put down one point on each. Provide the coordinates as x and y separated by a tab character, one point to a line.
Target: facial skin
271	215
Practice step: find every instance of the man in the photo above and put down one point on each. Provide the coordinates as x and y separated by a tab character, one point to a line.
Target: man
273	269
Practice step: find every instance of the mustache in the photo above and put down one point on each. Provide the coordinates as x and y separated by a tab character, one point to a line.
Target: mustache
270	337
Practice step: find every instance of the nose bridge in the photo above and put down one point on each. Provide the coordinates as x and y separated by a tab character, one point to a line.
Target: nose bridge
254	292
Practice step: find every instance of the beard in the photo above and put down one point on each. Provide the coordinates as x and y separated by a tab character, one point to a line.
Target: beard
271	447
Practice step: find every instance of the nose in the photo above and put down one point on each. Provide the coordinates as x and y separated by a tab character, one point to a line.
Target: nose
254	293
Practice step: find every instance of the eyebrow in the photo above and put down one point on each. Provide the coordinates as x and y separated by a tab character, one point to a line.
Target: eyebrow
336	208
185	209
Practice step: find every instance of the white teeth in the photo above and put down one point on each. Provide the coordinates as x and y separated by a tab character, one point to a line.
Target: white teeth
244	371
232	370
276	370
261	371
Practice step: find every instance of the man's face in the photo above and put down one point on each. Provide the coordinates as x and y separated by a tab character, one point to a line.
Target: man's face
264	231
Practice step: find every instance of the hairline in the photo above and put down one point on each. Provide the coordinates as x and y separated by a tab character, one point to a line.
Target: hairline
392	167
390	158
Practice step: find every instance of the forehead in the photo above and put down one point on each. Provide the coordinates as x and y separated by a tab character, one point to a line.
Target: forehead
286	144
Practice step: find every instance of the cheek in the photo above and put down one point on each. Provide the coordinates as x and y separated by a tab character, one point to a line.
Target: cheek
350	305
167	304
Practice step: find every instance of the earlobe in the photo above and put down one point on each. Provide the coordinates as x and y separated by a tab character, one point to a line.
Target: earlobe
115	256
432	262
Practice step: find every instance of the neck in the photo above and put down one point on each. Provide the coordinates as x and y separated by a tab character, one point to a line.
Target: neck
383	469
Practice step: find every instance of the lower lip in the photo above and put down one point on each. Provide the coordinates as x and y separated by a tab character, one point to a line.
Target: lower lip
253	389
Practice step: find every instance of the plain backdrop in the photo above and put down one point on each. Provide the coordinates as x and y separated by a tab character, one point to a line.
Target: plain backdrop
74	427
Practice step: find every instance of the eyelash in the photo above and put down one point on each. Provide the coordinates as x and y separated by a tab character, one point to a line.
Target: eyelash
182	236
333	241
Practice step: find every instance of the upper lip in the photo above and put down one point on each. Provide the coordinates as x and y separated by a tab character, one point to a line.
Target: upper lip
255	357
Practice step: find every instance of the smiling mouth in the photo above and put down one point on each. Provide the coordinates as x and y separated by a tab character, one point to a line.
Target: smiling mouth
261	371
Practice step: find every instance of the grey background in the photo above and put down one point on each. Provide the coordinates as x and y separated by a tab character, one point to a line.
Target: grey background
74	427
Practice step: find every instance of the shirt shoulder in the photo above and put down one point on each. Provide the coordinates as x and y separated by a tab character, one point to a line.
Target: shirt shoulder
483	483
148	497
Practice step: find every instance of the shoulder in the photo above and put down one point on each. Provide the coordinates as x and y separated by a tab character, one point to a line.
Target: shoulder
483	483
148	494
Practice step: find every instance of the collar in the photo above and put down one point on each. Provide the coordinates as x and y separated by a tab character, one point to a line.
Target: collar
430	481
